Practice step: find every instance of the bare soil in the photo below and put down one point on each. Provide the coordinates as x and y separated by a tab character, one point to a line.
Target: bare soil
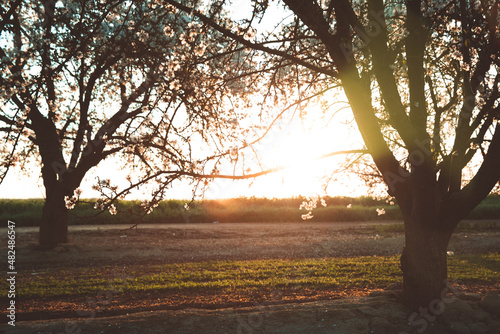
177	243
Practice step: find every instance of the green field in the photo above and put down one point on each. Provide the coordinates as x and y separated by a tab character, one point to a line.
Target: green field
246	276
28	212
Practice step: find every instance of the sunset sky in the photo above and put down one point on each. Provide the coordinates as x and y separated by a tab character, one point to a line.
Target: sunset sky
297	145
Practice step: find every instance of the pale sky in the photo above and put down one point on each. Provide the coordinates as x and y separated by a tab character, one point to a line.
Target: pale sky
298	144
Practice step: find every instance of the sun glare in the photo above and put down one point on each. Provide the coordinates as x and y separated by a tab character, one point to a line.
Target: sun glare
298	154
297	149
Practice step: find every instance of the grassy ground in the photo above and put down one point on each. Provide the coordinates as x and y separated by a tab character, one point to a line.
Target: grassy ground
28	212
115	271
246	277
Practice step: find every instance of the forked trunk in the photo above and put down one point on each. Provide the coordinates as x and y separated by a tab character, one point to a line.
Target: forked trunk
54	223
423	261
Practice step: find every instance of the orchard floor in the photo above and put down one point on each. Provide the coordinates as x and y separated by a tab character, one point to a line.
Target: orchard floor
335	312
378	314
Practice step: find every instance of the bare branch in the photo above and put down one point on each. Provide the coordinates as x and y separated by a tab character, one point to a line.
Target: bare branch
255	46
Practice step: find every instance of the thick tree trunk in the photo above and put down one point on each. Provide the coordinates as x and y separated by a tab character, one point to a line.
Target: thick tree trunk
423	260
54	223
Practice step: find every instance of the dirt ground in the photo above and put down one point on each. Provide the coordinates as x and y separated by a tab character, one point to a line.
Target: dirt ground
94	246
176	243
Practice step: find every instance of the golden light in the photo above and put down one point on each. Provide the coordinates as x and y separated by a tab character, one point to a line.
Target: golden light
297	148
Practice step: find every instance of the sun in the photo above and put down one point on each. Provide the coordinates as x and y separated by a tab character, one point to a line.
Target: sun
295	152
298	151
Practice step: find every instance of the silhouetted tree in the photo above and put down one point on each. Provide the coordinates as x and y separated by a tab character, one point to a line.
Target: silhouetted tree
84	80
422	80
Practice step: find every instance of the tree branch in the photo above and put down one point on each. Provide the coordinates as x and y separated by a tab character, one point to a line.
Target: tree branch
252	175
460	203
242	40
382	62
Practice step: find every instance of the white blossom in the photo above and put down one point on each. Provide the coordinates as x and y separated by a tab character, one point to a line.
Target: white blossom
112	209
70	202
169	32
199	50
175	84
307	216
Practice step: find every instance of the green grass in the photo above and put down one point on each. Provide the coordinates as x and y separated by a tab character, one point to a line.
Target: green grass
28	212
242	276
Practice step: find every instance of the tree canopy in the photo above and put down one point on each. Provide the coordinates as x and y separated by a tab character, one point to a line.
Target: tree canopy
422	80
85	80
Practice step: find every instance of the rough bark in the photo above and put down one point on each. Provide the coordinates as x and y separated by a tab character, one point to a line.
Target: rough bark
423	261
431	208
54	223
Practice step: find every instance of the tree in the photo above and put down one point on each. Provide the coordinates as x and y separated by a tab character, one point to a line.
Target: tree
422	80
85	80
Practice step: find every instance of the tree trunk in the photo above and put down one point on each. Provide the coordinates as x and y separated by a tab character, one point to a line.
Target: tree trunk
423	260
54	223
